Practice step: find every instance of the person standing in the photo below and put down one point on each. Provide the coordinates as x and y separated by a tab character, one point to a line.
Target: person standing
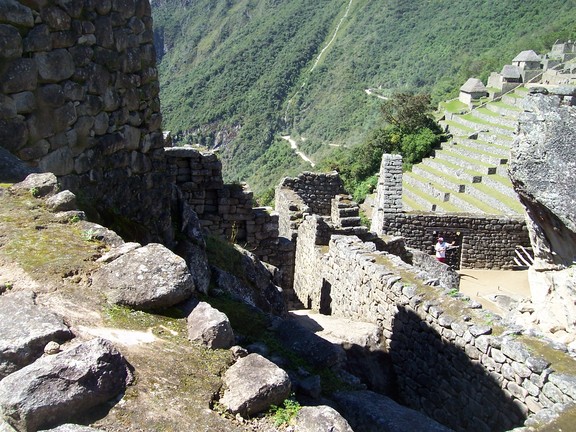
441	247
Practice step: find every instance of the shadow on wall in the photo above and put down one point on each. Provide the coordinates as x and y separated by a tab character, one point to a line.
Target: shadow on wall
439	379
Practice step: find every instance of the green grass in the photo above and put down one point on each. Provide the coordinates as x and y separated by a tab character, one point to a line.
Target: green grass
446	206
506	106
510	202
454	106
471	118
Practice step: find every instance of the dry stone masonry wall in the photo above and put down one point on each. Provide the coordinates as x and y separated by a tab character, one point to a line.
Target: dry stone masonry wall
226	210
485	241
455	363
79	98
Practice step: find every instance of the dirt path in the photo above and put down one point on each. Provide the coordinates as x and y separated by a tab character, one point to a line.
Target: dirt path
484	285
294	146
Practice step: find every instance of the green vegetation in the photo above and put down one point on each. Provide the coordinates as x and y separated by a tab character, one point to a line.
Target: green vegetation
411	132
244	69
283	415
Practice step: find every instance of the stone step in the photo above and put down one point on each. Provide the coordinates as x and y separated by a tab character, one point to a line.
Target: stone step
497	149
477	124
426	185
451	170
476	153
504	109
495	118
457	129
469	163
501	184
431	175
464	201
495	138
428	202
493	198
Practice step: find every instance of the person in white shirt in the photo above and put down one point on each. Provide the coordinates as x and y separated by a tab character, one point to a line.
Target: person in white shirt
441	247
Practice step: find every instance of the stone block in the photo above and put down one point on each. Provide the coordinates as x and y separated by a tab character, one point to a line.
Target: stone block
34	151
63	39
24	102
12	12
19	75
8	108
54	66
56	18
10	42
58	162
13	134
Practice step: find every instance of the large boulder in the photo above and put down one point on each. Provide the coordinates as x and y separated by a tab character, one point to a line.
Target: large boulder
372	412
542	171
56	388
150	277
26	329
253	384
210	327
39	185
256	287
320	418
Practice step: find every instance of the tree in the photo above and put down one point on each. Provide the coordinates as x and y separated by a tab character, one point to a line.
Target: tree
408	112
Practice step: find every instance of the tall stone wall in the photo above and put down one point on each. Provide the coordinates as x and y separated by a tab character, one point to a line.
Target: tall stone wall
79	98
452	362
485	241
226	210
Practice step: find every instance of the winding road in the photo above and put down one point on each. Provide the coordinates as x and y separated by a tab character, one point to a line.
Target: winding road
294	146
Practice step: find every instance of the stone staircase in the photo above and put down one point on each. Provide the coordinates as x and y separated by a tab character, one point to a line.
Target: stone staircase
469	173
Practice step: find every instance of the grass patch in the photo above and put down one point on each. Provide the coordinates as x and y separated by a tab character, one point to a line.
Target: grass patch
284	414
560	361
39	244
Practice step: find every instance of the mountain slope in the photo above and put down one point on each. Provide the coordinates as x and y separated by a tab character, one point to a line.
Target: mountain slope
237	73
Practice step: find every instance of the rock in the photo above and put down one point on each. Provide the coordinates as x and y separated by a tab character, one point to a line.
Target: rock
301	341
433	269
210	327
371	412
62	201
253	384
39	185
69	427
149	277
197	261
93	231
26	329
11	168
320	418
52	348
541	167
55	388
118	251
257	289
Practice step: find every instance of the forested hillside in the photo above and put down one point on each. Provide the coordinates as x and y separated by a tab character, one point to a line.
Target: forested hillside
239	73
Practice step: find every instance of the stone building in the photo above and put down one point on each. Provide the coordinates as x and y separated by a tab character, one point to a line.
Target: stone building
508	79
472	90
529	64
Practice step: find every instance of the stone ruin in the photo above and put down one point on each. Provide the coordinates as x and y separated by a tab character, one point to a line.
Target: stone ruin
79	97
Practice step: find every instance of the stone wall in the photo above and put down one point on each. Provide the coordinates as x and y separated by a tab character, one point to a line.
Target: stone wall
485	241
226	210
315	189
455	363
79	98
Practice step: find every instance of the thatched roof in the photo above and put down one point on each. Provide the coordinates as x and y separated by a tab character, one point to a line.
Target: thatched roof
527	56
473	85
510	72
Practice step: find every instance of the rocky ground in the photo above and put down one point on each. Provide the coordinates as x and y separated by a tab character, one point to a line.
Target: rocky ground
175	380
